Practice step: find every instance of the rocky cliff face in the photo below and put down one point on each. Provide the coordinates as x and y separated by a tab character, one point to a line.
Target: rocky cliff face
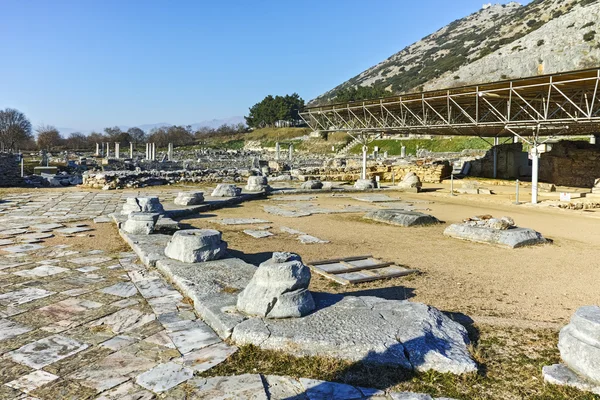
500	41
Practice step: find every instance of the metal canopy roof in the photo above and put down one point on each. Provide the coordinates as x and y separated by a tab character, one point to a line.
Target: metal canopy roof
565	103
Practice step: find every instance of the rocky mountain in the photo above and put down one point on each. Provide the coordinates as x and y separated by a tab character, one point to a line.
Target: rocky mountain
500	41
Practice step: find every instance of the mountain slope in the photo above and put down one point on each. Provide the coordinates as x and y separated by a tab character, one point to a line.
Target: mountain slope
499	41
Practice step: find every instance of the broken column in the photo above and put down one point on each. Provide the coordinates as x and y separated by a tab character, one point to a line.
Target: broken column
170	152
411	182
278	289
579	346
189	198
140	223
226	190
130	149
97	149
117	150
150	204
196	245
363	184
257	184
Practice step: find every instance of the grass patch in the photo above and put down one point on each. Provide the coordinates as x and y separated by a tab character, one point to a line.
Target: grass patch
455	144
510	359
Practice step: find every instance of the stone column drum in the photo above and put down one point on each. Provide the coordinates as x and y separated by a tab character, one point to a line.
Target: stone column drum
140	223
196	245
257	184
189	198
150	204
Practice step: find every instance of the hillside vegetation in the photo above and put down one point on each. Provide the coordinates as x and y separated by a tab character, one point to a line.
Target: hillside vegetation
498	42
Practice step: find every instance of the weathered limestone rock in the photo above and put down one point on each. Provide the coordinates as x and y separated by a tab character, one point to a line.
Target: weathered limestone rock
487	221
579	346
278	289
189	198
312	185
402	217
226	190
149	204
196	245
363	184
498	232
257	184
370	330
411	182
140	223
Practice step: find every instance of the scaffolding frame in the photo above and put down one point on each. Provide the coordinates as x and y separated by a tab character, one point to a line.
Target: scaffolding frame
551	105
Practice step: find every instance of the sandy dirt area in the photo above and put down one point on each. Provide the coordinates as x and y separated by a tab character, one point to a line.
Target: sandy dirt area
542	285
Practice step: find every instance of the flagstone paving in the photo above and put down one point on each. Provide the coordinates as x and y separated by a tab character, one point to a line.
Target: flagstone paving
89	324
80	324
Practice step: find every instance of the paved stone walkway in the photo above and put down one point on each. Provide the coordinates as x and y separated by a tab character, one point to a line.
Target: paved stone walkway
86	324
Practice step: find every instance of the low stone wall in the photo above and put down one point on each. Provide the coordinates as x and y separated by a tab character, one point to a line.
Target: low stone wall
429	173
134	179
10	170
571	163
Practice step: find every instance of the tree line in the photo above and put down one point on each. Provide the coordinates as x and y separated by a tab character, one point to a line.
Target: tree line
17	133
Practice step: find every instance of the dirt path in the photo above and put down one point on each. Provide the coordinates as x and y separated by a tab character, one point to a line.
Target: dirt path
545	283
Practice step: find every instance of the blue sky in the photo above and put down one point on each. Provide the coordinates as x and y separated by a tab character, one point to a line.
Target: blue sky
90	64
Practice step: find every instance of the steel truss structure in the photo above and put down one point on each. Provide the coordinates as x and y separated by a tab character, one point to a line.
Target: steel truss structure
551	105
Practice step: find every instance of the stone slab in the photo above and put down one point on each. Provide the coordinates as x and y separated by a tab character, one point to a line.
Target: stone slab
511	238
371	330
206	358
258	234
402	217
164	376
195	336
46	351
239	387
32	381
240	221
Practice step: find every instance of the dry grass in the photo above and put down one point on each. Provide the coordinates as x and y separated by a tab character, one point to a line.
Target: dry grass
510	363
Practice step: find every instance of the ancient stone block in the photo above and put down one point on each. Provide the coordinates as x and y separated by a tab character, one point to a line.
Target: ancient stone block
402	217
189	198
226	190
196	245
140	223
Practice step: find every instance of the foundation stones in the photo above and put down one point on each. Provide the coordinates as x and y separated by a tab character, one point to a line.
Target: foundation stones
278	289
579	346
189	198
312	185
226	190
196	245
402	217
150	204
502	232
140	223
411	182
257	184
364	184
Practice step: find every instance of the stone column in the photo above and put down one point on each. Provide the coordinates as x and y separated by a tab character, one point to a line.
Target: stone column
147	151
117	150
97	149
153	151
170	152
403	151
277	149
130	149
593	139
291	152
107	150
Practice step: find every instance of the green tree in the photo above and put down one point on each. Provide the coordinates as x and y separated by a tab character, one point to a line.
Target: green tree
272	109
350	94
116	135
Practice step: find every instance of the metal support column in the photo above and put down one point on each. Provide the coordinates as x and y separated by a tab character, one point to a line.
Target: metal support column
535	168
495	152
363	175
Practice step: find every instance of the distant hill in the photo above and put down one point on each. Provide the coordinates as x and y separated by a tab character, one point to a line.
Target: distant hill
500	41
211	123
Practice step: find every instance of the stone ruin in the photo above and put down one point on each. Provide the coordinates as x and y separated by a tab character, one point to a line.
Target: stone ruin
140	223
257	183
150	204
312	185
498	231
226	190
364	184
410	182
278	289
189	198
402	217
579	346
596	188
196	245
